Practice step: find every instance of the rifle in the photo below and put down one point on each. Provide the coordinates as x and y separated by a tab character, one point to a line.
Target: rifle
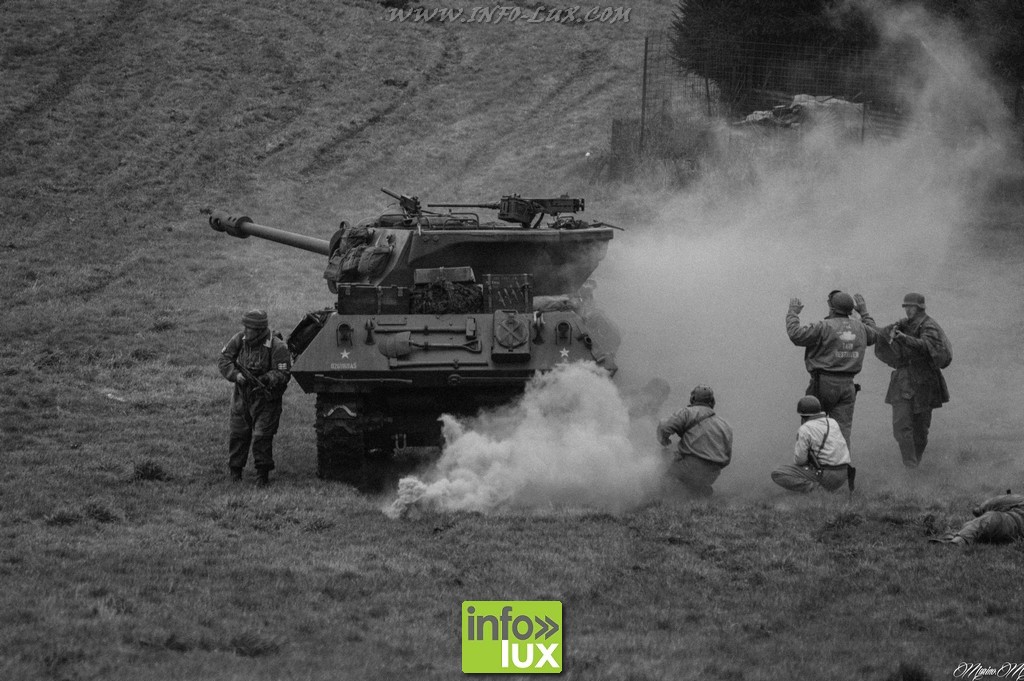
251	379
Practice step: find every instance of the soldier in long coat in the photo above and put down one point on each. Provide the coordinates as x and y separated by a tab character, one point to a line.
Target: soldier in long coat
917	349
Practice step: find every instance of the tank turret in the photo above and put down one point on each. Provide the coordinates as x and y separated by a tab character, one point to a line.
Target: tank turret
438	312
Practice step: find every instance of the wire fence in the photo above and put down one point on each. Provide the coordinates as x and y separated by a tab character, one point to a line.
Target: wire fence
768	84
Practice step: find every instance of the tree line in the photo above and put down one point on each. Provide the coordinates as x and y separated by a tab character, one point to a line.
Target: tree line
751	48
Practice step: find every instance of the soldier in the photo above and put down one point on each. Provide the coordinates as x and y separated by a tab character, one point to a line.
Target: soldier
822	459
259	364
705	442
917	348
835	353
999	519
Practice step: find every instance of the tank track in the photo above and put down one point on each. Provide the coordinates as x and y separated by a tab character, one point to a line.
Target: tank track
344	433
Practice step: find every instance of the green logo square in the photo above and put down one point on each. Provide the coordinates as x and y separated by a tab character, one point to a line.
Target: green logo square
511	637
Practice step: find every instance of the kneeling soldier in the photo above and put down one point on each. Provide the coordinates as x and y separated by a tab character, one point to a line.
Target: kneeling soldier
822	459
705	442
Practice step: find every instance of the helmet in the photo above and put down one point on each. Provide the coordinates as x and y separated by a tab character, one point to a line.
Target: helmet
808	406
702	394
256	319
841	302
913	299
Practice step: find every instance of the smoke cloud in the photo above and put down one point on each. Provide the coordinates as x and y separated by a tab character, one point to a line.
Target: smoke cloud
704	287
565	444
701	290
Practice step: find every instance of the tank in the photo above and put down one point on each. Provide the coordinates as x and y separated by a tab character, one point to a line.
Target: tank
437	311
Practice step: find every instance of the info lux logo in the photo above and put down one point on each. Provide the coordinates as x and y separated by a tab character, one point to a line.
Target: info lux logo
511	637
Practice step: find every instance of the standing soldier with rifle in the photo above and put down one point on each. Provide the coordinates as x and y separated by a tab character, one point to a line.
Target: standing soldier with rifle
917	349
259	364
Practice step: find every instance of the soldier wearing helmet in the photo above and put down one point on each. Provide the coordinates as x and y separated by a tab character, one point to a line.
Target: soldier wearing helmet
259	365
834	352
997	520
705	442
917	349
821	457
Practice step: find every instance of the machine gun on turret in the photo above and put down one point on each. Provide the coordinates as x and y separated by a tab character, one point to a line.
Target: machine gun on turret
410	205
526	212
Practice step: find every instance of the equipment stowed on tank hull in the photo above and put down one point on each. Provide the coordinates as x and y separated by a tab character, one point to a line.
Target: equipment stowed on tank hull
438	313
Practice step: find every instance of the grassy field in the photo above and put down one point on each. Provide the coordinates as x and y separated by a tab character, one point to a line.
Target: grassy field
126	553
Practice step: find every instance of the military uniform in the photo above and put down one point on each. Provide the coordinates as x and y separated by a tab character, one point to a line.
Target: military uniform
255	410
819	441
705	445
916	385
834	355
999	519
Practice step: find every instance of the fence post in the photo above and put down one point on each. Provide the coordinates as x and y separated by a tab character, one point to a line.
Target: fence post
643	101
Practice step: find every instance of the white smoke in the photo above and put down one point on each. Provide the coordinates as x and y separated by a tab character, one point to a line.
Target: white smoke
700	292
564	444
702	289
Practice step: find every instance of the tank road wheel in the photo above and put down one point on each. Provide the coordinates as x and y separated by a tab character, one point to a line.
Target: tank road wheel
341	442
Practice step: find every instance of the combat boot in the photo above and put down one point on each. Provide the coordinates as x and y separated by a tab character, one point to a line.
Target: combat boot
262	478
236	475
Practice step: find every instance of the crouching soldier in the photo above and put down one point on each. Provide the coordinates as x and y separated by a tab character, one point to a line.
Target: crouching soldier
821	459
999	519
259	364
705	442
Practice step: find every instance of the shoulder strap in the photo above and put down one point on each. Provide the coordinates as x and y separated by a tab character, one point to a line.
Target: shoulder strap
237	340
702	418
699	420
811	457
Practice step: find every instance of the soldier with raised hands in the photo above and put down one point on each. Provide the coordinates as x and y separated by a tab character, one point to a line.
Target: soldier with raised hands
834	352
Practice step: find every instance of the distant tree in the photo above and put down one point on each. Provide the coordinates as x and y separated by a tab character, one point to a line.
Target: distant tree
997	27
751	48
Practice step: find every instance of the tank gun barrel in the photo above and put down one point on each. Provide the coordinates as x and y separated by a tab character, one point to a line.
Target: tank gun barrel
243	227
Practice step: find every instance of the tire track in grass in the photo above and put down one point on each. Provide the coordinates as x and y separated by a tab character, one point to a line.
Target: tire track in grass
327	155
485	151
82	60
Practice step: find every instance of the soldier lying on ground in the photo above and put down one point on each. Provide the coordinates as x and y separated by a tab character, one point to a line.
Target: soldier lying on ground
998	520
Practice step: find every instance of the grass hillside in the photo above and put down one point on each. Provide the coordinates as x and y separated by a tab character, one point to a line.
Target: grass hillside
126	553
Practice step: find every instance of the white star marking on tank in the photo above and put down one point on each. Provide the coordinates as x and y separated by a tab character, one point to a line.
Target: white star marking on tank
344	354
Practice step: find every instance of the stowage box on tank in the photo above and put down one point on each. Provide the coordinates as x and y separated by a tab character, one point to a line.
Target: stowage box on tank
438	312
